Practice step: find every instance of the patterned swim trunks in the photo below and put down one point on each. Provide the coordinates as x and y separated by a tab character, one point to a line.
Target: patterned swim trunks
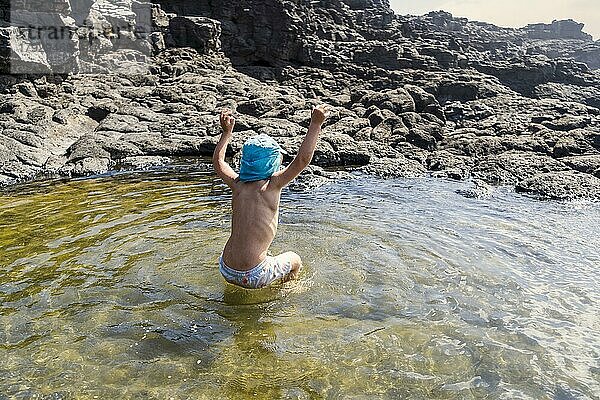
258	277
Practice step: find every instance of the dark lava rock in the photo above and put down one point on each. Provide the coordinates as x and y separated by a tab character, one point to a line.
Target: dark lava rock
448	165
564	185
314	177
568	123
401	167
410	95
512	167
202	34
565	29
397	101
588	164
143	162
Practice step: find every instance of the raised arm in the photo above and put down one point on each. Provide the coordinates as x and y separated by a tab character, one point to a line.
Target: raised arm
306	151
224	170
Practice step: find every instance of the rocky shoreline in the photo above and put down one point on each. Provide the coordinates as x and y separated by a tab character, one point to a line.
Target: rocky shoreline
412	96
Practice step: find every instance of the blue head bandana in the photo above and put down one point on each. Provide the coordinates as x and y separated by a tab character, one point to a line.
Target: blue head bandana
261	158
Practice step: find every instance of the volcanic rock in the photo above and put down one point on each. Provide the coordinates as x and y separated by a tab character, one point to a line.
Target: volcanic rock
411	96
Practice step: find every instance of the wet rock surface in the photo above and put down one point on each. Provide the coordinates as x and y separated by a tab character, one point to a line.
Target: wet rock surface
411	96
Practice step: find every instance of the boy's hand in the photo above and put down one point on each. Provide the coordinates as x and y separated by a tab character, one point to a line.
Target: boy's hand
227	121
319	114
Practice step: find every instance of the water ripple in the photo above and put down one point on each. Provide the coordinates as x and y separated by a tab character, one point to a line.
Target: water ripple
110	286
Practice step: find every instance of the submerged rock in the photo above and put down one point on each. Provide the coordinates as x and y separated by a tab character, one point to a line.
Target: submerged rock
480	190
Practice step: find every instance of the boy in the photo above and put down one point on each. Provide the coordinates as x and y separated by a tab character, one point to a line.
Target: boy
255	204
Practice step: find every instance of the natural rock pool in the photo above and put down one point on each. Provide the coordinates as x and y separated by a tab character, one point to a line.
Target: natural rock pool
109	289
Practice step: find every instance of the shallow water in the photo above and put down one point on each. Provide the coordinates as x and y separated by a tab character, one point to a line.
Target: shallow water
109	289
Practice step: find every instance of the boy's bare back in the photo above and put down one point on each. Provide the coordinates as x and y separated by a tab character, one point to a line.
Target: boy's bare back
255	208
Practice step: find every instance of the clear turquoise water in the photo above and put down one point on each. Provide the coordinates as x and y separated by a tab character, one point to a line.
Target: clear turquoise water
109	289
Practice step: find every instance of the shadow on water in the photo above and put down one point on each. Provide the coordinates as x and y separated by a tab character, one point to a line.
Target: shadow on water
254	337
